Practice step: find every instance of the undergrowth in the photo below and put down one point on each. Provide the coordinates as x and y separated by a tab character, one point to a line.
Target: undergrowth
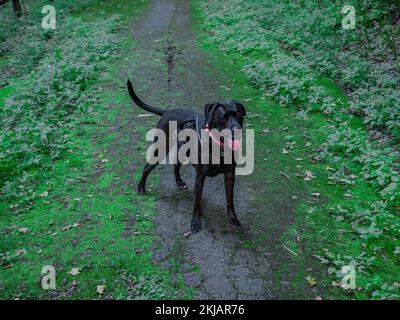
45	104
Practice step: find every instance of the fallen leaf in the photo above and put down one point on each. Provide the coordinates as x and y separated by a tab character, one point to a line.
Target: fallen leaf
308	175
23	230
311	281
74	271
20	252
44	194
100	289
74	225
336	284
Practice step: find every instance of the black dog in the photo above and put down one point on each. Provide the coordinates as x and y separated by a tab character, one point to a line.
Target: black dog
228	115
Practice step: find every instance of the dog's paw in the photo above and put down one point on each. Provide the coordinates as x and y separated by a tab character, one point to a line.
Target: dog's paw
181	185
235	222
141	190
195	226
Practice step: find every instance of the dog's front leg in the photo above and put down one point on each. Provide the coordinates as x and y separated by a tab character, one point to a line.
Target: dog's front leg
198	190
229	185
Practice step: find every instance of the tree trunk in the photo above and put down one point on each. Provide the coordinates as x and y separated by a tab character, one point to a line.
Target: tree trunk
17	8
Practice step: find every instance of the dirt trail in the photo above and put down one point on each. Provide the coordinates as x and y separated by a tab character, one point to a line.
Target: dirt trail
172	71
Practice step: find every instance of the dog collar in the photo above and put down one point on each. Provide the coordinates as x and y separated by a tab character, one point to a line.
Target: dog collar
198	131
213	139
207	128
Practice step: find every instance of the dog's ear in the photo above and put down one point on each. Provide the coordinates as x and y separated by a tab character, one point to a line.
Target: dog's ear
240	108
209	110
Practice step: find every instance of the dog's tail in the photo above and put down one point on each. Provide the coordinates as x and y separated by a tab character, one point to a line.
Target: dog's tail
142	104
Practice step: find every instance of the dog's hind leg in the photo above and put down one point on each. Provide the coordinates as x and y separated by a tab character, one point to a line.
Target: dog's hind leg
178	179
141	188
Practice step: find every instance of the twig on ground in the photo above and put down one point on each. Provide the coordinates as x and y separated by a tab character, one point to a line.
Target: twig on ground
284	174
145	115
291	251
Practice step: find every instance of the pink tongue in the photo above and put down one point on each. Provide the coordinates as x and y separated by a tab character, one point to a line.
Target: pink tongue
234	144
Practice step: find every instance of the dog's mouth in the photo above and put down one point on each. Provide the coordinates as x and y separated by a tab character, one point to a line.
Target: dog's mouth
233	144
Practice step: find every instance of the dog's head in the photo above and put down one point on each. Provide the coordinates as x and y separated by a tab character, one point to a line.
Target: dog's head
227	115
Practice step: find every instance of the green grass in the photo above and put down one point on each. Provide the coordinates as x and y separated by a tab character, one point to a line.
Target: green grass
4	92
